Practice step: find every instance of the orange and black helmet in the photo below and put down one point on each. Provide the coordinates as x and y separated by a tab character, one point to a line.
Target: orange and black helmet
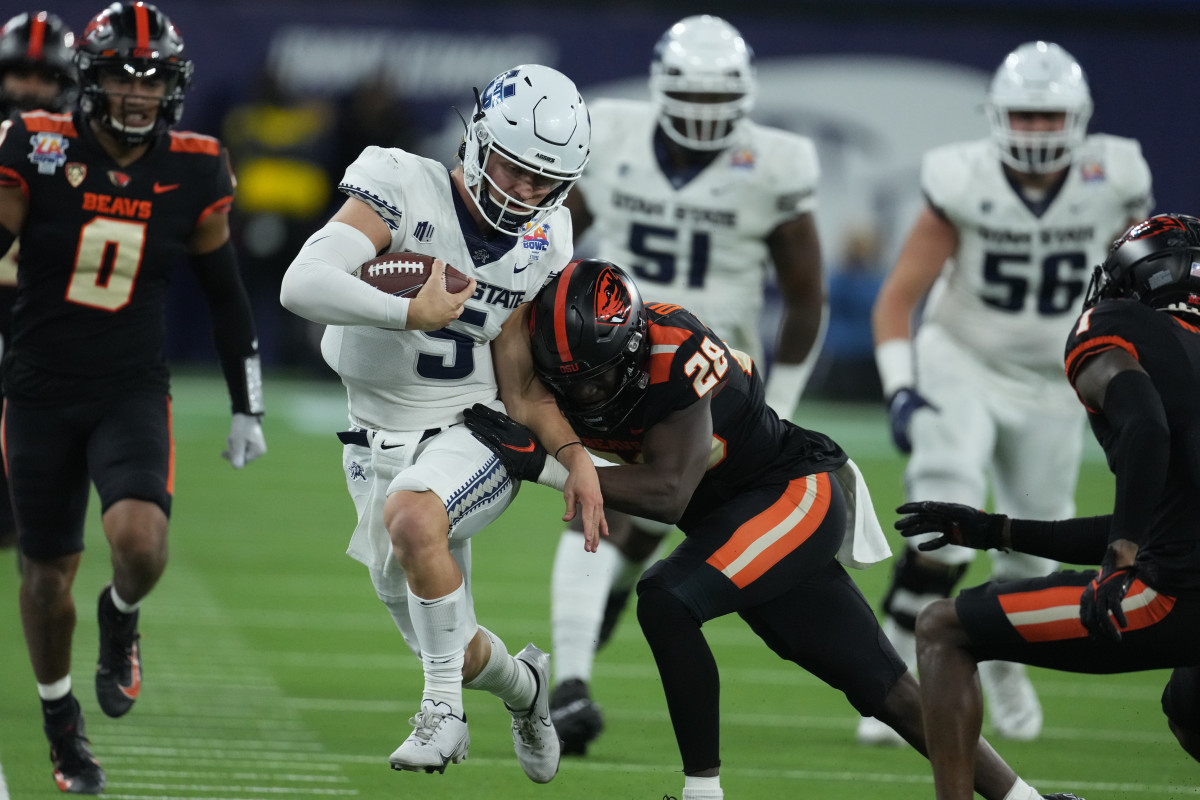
1156	262
41	42
588	324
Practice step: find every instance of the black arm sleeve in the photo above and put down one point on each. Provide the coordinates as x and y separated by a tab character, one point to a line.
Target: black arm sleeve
1139	451
233	326
1072	541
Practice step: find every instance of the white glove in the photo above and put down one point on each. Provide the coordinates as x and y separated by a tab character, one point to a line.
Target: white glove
245	442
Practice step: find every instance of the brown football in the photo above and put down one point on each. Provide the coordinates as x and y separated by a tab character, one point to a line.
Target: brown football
403	274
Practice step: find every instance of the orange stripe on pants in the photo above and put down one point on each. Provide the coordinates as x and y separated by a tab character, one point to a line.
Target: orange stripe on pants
1051	615
765	540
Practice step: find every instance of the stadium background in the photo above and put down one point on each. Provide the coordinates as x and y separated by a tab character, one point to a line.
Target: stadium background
273	672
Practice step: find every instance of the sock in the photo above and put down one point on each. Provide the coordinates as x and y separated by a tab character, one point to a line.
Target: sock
441	625
505	677
904	640
122	606
697	788
49	692
578	592
1022	791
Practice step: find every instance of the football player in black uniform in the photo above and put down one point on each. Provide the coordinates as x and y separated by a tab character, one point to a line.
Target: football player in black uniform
37	70
767	507
106	200
1132	357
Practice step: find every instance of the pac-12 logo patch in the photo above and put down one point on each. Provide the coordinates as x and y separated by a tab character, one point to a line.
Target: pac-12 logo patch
49	151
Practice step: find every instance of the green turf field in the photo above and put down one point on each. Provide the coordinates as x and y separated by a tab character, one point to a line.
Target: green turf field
273	672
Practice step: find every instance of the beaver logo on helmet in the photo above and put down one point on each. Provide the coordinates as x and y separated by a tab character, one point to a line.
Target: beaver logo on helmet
1163	223
613	304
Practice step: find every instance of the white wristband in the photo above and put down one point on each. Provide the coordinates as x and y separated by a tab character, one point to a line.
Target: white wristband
553	474
894	361
785	384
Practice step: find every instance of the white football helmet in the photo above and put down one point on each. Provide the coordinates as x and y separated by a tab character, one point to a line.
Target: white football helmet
535	117
1039	76
702	55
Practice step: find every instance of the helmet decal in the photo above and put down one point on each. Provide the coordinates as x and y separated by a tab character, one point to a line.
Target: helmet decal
613	304
1153	227
1156	262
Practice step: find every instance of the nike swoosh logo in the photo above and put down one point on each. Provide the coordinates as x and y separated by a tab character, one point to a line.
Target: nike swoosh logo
160	188
526	449
135	686
522	269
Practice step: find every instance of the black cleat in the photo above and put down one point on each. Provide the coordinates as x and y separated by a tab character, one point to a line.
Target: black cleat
76	770
119	671
576	718
1061	796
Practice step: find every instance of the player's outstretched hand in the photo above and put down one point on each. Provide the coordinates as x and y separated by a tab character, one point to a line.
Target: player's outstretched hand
901	406
434	308
245	442
1100	606
513	443
959	524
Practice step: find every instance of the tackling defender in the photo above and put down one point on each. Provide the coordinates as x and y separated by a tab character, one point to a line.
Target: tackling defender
699	203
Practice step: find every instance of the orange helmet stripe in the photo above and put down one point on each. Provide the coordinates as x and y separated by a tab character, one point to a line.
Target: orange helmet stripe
37	37
560	313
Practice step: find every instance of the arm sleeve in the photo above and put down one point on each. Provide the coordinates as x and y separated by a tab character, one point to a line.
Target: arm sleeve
1072	541
233	326
1139	451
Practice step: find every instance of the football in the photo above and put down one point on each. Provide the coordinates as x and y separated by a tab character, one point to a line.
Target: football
403	274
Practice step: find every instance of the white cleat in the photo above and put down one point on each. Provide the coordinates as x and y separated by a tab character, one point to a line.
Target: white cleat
534	737
438	738
874	733
1012	702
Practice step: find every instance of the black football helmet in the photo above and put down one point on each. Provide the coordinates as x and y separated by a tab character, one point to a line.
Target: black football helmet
588	330
39	42
137	40
1156	262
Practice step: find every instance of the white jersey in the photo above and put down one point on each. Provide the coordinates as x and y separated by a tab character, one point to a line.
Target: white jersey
701	244
417	380
1016	284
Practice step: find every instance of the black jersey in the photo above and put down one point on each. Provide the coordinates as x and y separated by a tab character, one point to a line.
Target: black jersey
97	249
750	444
1169	350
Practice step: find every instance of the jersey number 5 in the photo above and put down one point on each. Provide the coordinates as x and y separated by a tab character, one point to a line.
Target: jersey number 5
706	367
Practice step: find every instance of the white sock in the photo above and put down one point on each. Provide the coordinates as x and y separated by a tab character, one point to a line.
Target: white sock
1022	791
579	590
122	606
441	625
904	640
505	677
696	788
55	691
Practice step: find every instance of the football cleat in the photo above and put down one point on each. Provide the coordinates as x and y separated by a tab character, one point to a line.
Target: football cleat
1061	796
76	770
1012	702
119	670
576	718
534	737
439	738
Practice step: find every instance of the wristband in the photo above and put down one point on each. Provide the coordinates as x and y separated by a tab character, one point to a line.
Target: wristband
568	444
397	312
554	474
894	361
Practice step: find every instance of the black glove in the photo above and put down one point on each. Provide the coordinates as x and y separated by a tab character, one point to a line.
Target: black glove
513	443
958	524
1103	596
901	406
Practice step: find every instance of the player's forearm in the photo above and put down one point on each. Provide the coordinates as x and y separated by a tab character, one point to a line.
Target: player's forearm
644	491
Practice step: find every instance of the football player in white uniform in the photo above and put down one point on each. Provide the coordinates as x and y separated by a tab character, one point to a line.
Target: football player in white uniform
1003	249
421	483
697	202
